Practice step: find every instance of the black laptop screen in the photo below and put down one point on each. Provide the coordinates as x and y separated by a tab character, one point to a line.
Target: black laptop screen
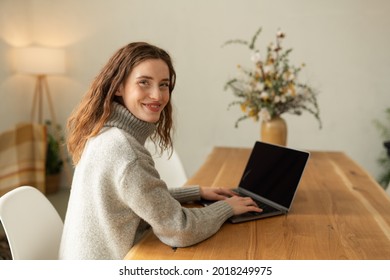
274	172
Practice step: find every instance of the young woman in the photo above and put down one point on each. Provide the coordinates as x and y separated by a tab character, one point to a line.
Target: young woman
116	191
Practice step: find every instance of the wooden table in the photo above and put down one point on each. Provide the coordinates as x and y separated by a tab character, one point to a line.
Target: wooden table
339	212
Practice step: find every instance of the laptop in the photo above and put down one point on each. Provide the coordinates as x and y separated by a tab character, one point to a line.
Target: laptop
271	178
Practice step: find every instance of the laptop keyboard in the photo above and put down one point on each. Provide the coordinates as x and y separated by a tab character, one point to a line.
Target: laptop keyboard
266	208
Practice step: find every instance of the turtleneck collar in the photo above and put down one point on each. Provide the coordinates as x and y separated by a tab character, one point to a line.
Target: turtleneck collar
122	118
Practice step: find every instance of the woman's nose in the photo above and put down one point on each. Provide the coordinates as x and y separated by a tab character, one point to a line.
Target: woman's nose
155	93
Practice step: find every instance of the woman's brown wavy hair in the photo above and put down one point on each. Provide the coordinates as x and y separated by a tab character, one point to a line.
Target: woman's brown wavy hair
95	107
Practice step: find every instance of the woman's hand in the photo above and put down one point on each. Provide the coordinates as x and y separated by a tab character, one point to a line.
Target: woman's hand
210	193
239	204
242	205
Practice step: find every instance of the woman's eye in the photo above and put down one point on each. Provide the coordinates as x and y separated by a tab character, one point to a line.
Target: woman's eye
164	85
143	82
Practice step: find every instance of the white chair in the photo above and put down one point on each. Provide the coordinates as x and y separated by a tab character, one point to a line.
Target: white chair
171	169
31	223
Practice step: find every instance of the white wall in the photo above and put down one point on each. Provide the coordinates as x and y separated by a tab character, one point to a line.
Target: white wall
344	43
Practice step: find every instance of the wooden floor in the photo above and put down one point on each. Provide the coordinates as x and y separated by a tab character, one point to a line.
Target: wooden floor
5	253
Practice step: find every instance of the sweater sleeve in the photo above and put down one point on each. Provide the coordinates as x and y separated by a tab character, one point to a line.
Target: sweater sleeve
185	194
173	224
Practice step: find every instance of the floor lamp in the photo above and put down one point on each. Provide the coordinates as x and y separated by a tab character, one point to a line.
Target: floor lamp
41	62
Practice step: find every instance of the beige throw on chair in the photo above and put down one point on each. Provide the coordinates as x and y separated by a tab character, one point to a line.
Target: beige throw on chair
22	157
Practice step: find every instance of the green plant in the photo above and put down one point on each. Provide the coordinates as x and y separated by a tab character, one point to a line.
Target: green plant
271	87
54	162
384	159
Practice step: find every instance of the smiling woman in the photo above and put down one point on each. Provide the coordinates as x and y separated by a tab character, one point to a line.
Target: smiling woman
117	192
109	87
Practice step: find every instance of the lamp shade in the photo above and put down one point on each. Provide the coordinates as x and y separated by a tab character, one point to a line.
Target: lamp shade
40	60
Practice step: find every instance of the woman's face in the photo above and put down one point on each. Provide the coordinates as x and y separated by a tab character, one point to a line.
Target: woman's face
146	90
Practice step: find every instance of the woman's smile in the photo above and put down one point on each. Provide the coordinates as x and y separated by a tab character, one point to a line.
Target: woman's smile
155	107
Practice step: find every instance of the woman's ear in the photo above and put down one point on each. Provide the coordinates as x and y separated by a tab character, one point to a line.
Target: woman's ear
119	91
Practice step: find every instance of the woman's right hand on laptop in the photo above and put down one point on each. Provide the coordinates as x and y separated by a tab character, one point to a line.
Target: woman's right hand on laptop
242	205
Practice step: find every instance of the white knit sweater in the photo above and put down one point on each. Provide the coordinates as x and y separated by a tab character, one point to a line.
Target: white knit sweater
117	192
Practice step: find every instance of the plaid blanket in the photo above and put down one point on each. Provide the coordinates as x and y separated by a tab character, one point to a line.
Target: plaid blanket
22	157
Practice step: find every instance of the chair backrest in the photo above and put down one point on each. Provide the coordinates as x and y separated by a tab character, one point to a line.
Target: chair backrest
32	225
171	169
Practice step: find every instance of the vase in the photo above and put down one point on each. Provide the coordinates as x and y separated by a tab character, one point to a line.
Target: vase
274	131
